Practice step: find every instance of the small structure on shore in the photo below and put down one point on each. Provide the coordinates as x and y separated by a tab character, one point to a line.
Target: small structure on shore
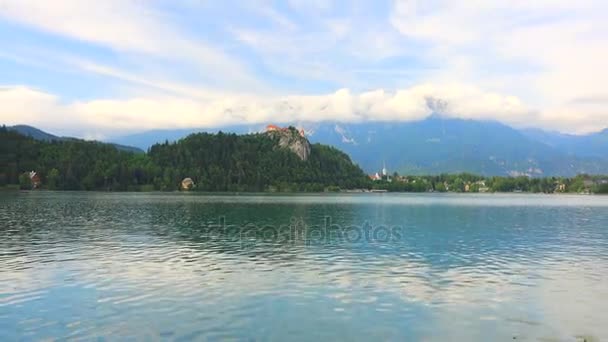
375	177
35	179
187	184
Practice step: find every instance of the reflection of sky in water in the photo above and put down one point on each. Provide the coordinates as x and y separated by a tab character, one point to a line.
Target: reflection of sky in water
89	265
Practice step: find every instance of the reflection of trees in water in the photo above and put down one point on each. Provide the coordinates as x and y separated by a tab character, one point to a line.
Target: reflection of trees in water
473	260
443	237
268	229
272	231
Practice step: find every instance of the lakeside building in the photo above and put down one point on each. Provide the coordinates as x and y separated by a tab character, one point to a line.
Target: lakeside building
34	179
383	175
187	184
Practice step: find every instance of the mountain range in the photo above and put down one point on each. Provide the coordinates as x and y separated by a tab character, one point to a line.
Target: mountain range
440	145
435	145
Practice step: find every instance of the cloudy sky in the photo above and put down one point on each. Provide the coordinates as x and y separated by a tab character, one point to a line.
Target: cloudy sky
98	69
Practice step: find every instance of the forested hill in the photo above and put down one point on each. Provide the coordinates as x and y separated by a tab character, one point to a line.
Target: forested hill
216	162
254	162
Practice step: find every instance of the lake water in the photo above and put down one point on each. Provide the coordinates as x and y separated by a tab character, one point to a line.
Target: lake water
429	267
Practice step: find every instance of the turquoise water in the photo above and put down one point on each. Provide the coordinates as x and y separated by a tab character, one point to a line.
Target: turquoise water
303	267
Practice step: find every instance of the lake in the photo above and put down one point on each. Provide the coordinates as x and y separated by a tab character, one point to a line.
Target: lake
397	267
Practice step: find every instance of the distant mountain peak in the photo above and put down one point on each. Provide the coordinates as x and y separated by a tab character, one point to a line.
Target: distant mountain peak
440	144
34	132
437	105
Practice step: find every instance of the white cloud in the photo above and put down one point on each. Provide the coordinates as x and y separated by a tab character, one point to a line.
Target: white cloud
547	52
22	105
131	27
519	62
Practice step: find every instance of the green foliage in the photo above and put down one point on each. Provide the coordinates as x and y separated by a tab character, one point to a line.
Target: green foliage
24	182
602	189
473	183
440	187
230	162
235	163
52	179
216	162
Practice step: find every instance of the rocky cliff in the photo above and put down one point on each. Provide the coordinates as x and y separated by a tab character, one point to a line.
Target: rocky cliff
290	138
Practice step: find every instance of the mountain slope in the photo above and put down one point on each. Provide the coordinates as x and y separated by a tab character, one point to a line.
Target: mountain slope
437	145
68	164
35	133
145	140
41	135
591	145
440	145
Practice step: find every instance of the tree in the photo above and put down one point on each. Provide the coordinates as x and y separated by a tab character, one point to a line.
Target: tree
52	179
24	182
602	188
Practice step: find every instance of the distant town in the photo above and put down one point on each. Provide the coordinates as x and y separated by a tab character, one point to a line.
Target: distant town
383	180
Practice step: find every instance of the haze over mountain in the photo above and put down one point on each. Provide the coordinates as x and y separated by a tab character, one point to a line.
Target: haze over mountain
590	145
431	146
437	145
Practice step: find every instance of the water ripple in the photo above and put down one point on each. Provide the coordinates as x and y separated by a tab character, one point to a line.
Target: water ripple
149	266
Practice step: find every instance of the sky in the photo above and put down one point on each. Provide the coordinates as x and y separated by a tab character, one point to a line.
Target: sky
101	69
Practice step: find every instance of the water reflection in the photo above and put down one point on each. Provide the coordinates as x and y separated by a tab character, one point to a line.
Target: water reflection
134	265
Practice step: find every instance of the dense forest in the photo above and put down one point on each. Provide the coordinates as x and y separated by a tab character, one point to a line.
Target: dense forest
230	162
215	162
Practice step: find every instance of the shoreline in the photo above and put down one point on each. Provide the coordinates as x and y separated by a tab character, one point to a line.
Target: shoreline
349	192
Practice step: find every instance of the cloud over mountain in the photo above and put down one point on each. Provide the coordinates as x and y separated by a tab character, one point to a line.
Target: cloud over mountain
93	68
25	105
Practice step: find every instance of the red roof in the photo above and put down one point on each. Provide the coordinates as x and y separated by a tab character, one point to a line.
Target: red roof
277	128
